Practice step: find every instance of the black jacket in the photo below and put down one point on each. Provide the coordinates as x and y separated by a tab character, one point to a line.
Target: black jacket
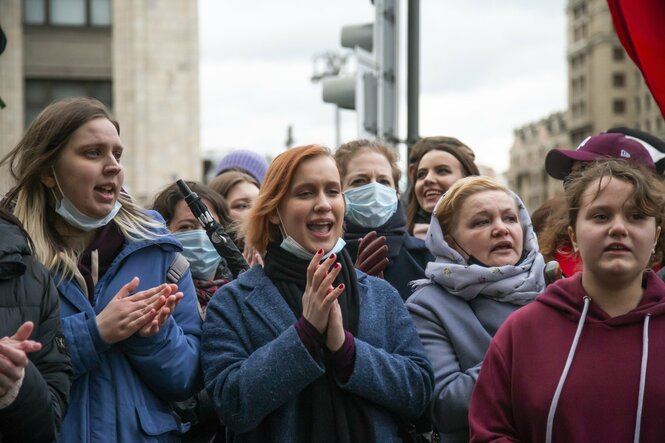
27	292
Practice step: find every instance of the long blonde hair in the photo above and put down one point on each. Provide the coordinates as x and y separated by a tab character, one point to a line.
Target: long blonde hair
35	155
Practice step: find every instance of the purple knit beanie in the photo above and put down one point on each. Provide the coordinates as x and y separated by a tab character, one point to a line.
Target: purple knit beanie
249	161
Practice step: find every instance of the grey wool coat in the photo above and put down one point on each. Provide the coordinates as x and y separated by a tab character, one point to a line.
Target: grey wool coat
456	334
255	365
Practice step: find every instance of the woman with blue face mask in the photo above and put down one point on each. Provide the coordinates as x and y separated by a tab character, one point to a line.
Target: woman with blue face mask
208	270
374	223
132	336
209	273
307	348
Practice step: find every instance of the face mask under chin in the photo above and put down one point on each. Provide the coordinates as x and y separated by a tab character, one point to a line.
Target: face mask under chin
289	244
66	209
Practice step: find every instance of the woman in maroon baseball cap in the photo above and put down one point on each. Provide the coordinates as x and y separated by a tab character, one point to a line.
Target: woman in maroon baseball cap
565	164
559	163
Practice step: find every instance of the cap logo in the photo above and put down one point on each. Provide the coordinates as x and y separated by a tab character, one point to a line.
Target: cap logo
625	154
583	143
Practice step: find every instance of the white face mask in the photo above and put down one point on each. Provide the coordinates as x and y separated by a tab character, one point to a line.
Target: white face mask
289	244
370	205
66	209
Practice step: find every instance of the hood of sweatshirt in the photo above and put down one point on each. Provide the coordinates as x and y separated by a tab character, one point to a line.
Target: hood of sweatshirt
567	297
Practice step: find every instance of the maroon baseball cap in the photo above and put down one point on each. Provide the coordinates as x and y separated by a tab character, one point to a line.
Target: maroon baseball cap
559	162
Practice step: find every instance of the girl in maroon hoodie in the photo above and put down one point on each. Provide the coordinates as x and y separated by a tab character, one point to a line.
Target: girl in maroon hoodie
577	365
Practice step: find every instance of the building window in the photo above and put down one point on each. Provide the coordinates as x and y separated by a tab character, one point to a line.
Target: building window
618	54
619	106
647	125
579	10
67	12
39	93
34	12
638	105
647	101
638	79
618	80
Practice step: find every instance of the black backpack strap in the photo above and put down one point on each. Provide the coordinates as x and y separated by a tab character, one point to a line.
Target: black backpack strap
177	269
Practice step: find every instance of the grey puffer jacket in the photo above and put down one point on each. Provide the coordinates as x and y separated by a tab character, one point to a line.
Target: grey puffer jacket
27	293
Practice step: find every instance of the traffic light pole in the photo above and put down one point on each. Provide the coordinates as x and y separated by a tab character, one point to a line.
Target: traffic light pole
386	57
413	74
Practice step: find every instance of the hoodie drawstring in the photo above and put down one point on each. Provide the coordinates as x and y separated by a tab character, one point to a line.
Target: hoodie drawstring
569	361
643	377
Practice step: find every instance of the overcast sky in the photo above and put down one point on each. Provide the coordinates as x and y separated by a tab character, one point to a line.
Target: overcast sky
487	67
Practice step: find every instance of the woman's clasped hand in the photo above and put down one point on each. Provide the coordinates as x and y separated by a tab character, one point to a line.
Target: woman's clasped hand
319	302
143	312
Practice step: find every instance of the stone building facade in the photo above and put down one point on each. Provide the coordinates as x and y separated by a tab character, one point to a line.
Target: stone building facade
141	58
605	90
527	176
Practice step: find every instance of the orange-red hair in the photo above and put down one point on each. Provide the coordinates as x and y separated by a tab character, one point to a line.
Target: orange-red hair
276	185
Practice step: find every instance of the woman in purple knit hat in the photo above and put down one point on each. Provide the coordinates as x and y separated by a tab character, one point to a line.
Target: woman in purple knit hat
243	160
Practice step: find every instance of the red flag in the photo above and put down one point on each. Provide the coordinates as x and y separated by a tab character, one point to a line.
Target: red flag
640	26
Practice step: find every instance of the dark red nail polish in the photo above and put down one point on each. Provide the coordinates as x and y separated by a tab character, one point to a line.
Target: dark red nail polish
332	256
342	286
337	266
320	251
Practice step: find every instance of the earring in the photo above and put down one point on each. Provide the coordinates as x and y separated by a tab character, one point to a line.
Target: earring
575	248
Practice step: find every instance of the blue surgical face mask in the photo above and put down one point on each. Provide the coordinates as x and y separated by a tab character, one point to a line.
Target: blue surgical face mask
200	253
289	244
370	205
65	208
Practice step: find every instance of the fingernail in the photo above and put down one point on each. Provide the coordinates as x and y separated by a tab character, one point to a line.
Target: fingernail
332	256
337	266
342	286
320	251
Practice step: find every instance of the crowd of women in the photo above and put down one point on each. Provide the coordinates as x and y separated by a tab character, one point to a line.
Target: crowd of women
367	313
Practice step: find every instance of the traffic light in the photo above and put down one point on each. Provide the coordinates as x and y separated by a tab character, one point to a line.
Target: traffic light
371	90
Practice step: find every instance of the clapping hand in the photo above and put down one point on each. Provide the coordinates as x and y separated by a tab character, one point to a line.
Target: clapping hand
335	334
252	256
128	313
13	356
164	311
320	295
372	256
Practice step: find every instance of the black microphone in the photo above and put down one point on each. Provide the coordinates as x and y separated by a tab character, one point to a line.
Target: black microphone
198	208
224	245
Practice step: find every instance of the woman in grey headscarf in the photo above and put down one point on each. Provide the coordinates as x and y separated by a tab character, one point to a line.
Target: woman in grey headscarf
487	266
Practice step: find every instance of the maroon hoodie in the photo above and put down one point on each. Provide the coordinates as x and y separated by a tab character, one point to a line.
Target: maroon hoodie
599	397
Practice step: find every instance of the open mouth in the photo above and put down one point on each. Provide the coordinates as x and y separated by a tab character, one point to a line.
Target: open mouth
105	189
321	228
502	246
433	193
